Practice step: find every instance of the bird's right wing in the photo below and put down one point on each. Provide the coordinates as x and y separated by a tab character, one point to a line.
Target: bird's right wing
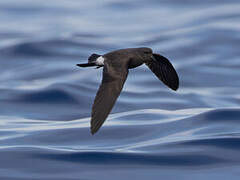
112	83
164	70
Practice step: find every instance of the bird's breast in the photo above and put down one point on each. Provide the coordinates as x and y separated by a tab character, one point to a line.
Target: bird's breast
134	62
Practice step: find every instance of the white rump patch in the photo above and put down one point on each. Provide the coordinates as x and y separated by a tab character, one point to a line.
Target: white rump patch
100	61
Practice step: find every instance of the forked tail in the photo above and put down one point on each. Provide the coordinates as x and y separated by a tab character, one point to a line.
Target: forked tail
86	65
91	61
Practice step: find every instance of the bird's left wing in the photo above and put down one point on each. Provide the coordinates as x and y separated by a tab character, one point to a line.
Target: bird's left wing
112	83
164	70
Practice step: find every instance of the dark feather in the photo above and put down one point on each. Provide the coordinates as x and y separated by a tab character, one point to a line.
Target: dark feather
86	64
93	58
164	70
112	84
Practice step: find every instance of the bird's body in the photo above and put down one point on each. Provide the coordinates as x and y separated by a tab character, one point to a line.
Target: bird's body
127	57
115	70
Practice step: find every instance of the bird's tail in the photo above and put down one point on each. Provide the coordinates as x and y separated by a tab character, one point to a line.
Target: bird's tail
93	58
91	61
86	64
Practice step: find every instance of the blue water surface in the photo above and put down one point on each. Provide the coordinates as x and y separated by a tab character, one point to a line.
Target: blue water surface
152	132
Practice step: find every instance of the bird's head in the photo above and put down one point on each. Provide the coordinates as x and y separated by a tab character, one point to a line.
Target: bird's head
146	54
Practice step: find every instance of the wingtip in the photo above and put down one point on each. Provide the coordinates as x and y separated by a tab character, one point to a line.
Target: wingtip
93	131
175	88
175	85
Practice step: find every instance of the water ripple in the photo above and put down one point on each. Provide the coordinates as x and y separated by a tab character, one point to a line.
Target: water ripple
152	132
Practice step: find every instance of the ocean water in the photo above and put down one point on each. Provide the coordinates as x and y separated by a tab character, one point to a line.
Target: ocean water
152	132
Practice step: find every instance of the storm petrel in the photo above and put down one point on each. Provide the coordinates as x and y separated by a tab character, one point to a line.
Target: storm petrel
115	70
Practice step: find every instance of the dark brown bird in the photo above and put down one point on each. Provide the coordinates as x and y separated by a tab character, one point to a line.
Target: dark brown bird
115	70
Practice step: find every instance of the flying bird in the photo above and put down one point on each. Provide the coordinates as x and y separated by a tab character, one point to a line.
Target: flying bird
115	70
